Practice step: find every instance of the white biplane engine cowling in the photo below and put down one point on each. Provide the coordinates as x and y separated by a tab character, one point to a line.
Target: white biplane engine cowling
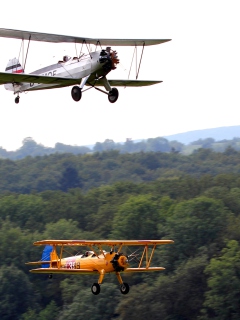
109	58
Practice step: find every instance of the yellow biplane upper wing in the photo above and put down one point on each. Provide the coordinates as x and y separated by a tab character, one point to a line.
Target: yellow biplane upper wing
56	38
109	243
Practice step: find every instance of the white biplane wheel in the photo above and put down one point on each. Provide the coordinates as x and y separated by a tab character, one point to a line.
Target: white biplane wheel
124	288
95	288
76	93
113	95
17	99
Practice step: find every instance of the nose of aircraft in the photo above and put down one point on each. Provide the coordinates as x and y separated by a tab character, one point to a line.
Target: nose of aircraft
119	262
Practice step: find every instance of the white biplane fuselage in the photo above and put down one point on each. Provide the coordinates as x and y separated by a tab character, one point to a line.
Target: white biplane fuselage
74	68
69	67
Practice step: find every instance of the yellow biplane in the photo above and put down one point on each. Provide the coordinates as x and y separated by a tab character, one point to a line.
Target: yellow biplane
96	260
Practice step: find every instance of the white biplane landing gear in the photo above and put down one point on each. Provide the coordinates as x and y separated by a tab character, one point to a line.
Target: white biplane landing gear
113	95
95	288
17	99
76	93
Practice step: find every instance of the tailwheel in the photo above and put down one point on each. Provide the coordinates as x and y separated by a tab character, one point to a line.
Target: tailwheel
113	95
17	99
76	93
95	288
124	288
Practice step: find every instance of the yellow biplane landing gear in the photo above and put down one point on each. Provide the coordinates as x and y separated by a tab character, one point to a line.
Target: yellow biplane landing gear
96	288
124	288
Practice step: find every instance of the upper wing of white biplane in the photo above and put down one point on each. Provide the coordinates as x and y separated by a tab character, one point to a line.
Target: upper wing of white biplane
34	78
109	243
48	37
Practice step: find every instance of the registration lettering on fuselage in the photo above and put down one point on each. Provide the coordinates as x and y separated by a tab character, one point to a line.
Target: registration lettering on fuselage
46	74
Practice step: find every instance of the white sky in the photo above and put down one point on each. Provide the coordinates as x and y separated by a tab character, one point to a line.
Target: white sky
200	69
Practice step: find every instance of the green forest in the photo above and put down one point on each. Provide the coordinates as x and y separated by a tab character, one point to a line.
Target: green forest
192	199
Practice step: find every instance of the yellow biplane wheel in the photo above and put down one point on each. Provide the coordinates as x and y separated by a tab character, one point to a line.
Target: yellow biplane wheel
95	288
124	288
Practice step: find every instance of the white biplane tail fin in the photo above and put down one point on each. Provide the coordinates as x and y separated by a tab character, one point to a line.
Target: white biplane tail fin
14	66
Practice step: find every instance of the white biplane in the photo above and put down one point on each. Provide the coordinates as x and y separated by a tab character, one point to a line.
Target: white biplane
85	69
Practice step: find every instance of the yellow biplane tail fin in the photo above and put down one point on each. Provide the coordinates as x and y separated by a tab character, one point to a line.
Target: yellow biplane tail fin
49	256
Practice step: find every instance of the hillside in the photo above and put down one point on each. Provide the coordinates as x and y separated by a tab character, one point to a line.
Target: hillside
218	134
218	139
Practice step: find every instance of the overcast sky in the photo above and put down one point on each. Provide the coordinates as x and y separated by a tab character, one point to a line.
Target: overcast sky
200	69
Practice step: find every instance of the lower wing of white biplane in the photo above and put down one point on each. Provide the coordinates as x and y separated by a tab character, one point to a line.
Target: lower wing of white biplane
124	83
16	78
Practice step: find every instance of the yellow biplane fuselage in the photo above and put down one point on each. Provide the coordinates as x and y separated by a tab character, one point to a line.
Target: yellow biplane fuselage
91	262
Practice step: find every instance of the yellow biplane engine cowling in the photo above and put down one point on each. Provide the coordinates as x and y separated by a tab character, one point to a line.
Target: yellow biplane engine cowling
119	262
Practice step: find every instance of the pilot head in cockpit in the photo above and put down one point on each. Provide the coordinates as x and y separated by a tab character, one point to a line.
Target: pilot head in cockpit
66	58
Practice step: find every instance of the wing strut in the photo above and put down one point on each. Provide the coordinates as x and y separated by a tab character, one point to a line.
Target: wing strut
145	253
137	66
27	52
140	61
84	41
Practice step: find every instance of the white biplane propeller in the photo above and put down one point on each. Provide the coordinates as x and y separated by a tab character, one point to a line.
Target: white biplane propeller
88	69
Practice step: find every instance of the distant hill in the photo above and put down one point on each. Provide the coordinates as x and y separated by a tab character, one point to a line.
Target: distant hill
217	139
218	134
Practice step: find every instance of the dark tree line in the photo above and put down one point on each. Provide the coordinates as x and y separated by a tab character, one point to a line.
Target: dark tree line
67	171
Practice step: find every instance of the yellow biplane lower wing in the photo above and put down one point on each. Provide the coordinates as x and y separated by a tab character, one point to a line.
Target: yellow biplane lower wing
64	270
144	269
89	271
